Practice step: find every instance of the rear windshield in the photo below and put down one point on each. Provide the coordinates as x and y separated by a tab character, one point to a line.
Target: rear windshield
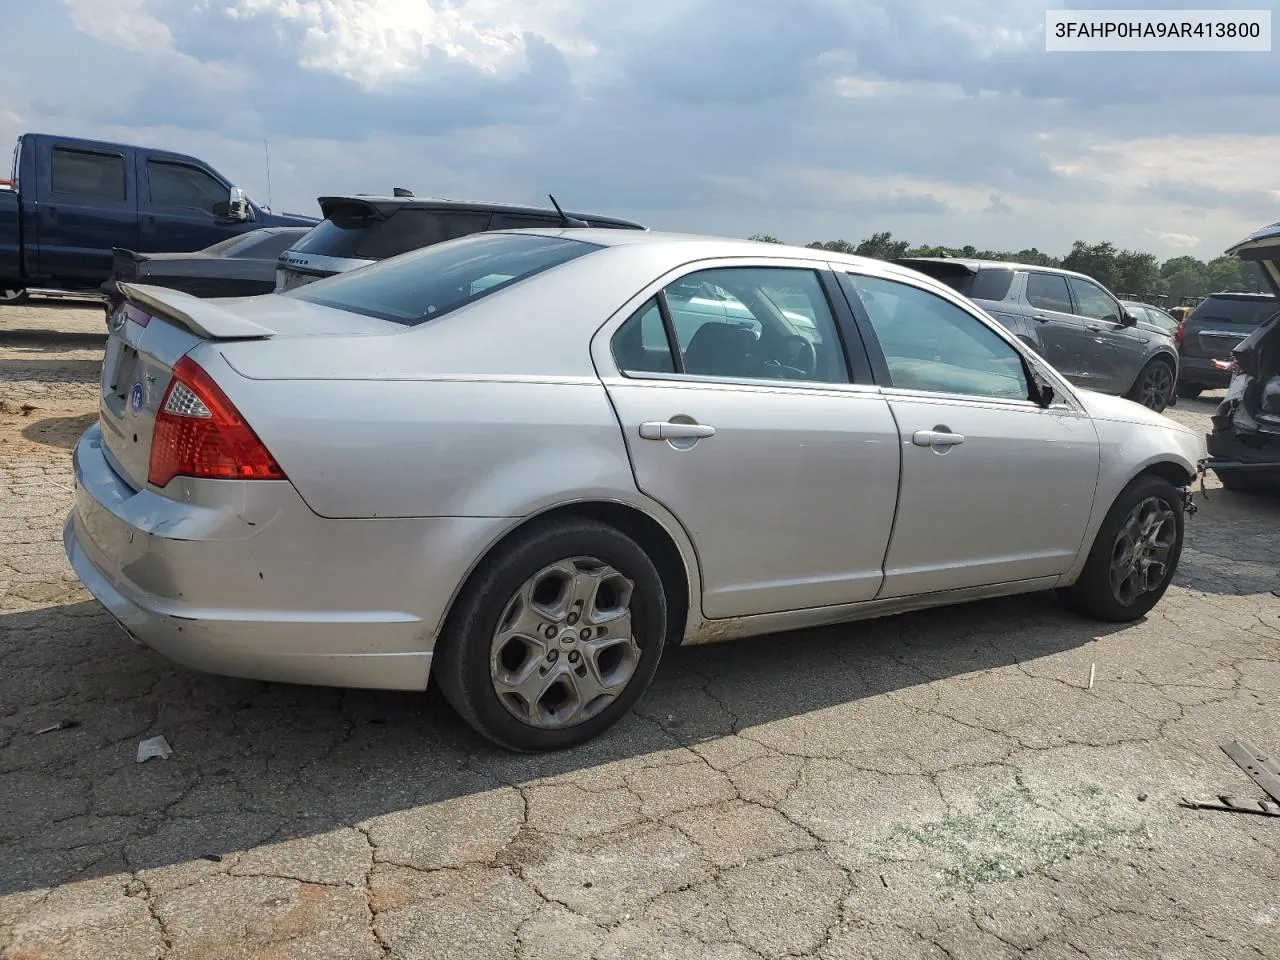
1249	312
369	238
987	283
431	282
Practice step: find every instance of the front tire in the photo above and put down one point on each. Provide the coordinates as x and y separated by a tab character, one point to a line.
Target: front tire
1189	391
555	637
1154	385
1134	555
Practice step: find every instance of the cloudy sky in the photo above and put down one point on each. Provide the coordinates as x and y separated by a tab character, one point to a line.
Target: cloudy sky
941	120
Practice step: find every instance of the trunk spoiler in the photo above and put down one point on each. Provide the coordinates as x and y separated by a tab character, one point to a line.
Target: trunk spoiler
204	318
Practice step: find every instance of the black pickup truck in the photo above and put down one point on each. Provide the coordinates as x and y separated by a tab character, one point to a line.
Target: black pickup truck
68	203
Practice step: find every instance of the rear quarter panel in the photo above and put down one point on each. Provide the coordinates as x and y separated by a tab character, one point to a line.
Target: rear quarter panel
10	236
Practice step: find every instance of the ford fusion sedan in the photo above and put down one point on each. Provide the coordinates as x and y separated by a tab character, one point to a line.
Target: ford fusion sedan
516	462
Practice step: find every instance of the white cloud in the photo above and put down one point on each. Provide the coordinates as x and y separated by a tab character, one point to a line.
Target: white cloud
372	42
1176	241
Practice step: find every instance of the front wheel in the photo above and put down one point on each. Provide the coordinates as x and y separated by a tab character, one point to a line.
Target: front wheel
555	637
1154	385
1135	554
1189	391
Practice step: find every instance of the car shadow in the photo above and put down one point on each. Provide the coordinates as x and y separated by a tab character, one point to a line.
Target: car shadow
60	370
257	763
61	432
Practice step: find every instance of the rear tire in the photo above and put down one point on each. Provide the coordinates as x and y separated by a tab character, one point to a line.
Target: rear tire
1154	385
572	669
1116	550
1189	391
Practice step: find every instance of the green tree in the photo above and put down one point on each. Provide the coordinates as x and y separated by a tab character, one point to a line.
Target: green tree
882	246
764	238
835	246
1136	273
1097	260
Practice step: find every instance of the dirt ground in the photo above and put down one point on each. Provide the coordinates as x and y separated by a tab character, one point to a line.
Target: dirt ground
938	785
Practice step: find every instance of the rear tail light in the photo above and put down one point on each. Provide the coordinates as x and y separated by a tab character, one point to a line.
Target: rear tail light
1177	334
200	433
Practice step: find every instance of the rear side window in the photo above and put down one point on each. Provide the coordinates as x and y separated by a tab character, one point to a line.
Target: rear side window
433	281
521	221
1048	291
84	174
1246	312
990	283
412	228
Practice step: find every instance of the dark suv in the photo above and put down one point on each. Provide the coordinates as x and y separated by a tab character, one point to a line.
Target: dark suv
1211	332
362	230
1072	321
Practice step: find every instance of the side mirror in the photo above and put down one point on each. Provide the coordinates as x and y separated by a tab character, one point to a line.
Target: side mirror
1127	319
237	205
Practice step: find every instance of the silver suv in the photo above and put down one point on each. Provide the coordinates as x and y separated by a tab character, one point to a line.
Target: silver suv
1072	321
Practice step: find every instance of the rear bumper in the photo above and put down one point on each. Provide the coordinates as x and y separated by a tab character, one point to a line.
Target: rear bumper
1200	370
242	579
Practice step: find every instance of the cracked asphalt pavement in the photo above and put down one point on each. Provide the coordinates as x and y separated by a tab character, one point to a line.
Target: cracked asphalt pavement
937	785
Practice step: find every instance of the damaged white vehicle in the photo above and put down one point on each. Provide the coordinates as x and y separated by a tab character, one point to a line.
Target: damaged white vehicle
1245	442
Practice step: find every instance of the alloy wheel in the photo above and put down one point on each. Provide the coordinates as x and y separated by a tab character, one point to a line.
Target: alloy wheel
1157	384
564	647
1141	552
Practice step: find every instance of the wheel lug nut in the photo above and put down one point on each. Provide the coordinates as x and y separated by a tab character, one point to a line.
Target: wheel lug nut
551	633
585	634
572	619
574	656
553	656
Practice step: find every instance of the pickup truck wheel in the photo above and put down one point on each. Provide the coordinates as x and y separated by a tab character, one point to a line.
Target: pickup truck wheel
10	296
1154	385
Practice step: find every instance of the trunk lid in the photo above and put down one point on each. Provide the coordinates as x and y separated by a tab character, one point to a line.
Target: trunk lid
1263	248
156	327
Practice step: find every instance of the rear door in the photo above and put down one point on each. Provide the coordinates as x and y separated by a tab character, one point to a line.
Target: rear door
88	204
994	488
1063	339
177	209
783	472
1117	351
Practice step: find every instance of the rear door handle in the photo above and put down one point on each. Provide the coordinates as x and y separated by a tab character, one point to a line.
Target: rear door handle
936	438
1040	317
668	430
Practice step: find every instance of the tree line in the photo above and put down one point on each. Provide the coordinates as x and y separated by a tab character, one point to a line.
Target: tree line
1128	273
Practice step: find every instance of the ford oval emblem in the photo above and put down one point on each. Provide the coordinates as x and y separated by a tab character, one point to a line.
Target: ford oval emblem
137	397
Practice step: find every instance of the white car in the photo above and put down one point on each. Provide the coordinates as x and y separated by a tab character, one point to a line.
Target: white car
525	462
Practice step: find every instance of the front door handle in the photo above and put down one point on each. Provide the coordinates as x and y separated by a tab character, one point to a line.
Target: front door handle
1040	317
674	430
937	437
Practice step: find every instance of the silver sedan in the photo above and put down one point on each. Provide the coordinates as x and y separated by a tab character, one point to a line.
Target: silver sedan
527	461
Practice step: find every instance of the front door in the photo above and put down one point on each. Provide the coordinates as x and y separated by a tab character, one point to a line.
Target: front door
994	489
1118	351
783	473
177	211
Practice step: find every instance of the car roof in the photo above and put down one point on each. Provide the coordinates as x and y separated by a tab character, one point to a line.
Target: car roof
973	263
390	205
1234	295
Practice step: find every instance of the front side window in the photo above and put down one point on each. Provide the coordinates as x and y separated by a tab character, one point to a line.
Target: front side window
757	323
436	280
1048	291
81	173
931	344
180	185
1092	302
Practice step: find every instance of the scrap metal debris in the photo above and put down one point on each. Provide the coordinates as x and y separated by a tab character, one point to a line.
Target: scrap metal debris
155	747
1262	769
68	724
1266	808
